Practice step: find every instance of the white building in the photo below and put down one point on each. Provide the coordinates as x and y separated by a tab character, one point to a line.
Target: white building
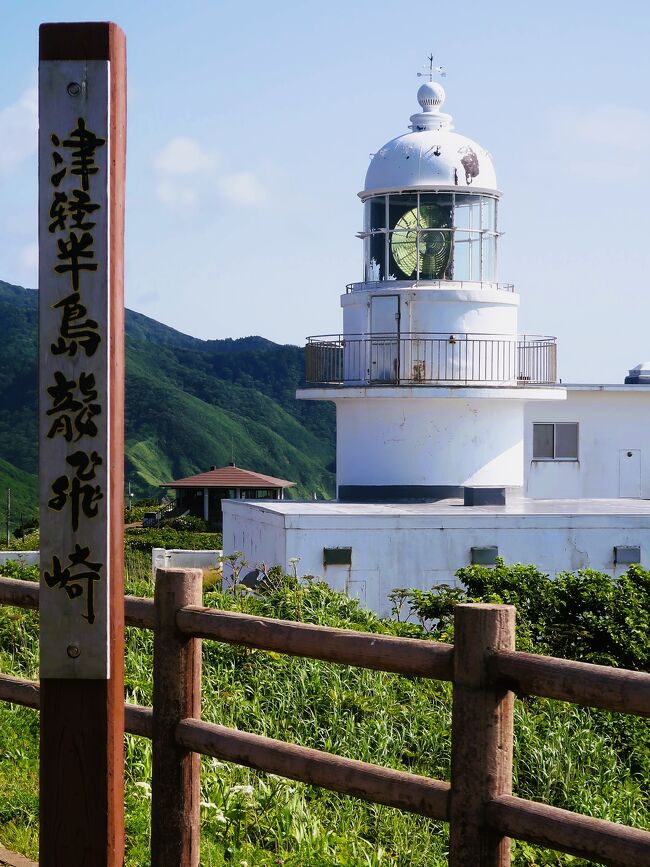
594	444
454	442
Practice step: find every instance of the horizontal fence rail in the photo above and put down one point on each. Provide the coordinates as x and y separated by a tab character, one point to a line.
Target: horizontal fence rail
409	792
362	649
583	836
425	359
485	671
614	689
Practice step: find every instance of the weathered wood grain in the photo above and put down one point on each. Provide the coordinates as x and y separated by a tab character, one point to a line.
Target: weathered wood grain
482	735
582	836
406	791
175	785
614	689
364	649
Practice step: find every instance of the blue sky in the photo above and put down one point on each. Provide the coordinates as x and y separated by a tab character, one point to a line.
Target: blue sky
250	128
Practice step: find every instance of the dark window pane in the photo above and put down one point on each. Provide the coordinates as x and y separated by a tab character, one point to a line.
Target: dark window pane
542	441
399	208
376	266
376	213
566	440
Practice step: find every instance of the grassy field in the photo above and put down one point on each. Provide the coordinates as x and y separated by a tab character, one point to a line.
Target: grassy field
586	761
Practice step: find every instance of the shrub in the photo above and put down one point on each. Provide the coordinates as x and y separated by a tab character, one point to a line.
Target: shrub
187	523
586	615
166	537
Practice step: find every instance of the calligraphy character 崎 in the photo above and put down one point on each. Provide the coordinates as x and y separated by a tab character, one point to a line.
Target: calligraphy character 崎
69	581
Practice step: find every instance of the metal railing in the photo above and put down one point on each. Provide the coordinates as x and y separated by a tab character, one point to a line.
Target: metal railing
428	284
426	359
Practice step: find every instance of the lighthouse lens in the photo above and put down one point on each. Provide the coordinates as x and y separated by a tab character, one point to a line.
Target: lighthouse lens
431	236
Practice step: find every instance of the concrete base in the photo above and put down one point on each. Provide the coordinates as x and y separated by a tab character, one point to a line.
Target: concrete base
484	496
423	544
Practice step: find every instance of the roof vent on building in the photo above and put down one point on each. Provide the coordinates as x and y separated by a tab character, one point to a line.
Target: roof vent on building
639	375
231	463
212	468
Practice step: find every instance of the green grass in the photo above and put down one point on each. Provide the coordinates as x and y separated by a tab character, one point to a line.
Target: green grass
583	760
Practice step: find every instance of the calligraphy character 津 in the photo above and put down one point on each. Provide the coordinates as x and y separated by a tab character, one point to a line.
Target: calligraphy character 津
57	176
84	144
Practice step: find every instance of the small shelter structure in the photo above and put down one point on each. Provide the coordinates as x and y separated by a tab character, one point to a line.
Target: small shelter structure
201	495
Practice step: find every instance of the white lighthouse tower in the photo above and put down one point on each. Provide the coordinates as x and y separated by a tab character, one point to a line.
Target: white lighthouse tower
430	375
443	410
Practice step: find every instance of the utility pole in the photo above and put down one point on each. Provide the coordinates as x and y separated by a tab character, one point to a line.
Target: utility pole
8	513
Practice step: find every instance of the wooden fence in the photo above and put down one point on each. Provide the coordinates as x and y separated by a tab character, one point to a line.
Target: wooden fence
486	673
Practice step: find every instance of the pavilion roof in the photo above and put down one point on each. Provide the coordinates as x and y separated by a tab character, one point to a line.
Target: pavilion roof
229	477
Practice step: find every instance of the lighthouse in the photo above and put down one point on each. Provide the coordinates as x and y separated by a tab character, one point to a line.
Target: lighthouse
455	445
430	375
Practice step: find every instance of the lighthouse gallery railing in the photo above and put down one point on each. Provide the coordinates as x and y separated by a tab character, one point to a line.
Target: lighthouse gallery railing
424	359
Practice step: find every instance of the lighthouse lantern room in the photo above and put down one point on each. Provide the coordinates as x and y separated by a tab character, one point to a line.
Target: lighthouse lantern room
430	376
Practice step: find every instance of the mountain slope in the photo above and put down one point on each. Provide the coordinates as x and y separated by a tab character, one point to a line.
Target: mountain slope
190	404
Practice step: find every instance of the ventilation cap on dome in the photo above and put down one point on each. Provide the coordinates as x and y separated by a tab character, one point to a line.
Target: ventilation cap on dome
431	96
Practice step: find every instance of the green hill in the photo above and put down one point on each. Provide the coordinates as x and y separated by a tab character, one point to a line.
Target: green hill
190	404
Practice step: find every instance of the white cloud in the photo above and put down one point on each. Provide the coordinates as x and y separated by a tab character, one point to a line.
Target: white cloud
614	126
18	131
183	166
241	188
184	156
181	197
608	141
29	257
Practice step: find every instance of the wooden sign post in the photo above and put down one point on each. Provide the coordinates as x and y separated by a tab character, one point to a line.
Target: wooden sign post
82	128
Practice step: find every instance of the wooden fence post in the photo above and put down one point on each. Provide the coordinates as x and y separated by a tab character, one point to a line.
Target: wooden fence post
482	735
175	790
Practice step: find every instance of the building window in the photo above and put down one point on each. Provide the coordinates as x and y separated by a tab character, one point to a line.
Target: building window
557	441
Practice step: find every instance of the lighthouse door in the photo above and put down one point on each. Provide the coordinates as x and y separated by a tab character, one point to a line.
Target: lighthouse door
629	473
384	338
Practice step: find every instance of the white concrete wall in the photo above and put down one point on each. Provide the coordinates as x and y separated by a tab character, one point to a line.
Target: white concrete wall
485	314
257	533
611	424
417	551
178	558
26	558
453	311
429	441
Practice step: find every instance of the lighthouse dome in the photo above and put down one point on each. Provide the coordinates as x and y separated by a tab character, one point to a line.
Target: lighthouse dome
431	156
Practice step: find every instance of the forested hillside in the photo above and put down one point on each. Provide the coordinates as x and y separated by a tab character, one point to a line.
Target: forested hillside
189	404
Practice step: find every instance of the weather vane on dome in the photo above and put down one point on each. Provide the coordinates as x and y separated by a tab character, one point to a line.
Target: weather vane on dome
432	69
